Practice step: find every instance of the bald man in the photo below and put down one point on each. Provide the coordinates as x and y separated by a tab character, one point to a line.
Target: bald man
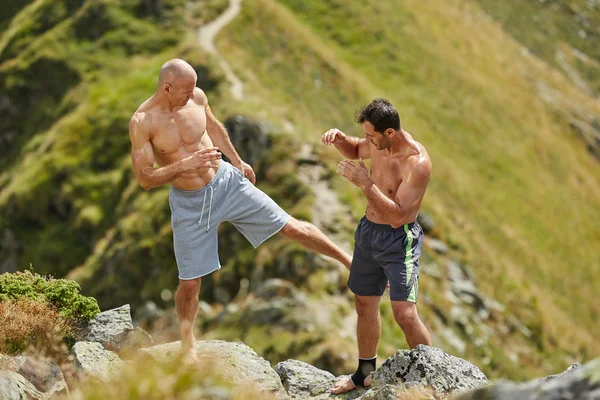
176	129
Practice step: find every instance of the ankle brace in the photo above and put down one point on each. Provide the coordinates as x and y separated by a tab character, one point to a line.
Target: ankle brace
365	367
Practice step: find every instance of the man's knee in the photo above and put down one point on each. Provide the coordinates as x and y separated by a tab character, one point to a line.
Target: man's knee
405	313
189	288
367	305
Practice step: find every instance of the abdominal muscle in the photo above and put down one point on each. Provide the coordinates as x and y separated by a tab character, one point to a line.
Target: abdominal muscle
189	180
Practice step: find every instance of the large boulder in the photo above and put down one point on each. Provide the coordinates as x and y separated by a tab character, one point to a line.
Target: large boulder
429	366
108	326
92	360
250	138
302	380
236	361
46	376
14	386
574	384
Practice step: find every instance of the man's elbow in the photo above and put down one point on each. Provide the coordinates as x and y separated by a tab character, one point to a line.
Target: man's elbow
145	184
398	221
396	225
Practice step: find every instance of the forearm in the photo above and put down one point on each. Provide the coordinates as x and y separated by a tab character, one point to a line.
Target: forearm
388	209
154	177
221	139
349	147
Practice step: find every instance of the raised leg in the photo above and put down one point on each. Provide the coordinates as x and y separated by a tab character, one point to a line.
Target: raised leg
312	238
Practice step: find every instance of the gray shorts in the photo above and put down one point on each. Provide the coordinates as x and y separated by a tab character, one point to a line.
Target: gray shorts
383	253
196	215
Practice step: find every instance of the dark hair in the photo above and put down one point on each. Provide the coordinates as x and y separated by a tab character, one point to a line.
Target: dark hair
381	113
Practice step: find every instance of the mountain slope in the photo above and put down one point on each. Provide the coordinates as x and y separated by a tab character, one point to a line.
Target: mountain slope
513	187
511	134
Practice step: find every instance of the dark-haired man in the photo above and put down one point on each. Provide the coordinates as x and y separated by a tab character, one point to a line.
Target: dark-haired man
388	238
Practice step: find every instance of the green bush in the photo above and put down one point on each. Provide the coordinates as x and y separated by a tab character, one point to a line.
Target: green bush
60	293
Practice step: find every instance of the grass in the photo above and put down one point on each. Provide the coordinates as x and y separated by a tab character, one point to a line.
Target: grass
511	185
514	190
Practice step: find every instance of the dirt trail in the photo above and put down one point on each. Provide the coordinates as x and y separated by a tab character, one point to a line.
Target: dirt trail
206	38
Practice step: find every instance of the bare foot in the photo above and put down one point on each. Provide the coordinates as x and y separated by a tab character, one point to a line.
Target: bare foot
345	384
190	357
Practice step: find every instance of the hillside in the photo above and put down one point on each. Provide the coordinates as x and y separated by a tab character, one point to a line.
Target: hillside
504	97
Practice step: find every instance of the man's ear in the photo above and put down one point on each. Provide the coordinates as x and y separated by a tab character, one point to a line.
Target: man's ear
389	132
167	88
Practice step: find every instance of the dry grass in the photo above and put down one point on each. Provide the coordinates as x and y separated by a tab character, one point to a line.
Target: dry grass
32	327
144	379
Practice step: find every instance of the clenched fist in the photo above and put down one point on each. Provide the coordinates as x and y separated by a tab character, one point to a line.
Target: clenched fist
204	158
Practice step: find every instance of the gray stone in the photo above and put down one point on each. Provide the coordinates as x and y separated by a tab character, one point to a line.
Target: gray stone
14	386
429	366
426	221
250	138
108	326
387	392
436	245
573	367
576	384
238	362
276	287
287	312
45	375
92	360
130	340
302	380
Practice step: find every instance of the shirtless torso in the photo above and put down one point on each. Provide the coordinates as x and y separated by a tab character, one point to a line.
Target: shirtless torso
389	171
400	171
171	137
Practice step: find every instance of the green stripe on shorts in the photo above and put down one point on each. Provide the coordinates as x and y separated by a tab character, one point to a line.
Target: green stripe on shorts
408	261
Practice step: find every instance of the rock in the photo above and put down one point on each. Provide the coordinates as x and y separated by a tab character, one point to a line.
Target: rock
283	311
129	340
391	392
571	368
44	375
425	365
14	386
276	287
236	361
147	313
9	249
302	380
249	137
91	359
436	245
426	221
108	327
577	384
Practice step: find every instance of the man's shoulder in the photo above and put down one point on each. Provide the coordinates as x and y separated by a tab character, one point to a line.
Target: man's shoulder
421	163
200	97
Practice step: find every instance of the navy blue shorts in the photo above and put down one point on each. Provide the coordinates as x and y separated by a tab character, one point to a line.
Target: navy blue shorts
383	253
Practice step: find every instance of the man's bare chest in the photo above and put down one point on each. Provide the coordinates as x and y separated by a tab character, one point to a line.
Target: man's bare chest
387	175
172	131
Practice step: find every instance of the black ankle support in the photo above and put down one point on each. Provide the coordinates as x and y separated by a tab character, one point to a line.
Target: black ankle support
365	367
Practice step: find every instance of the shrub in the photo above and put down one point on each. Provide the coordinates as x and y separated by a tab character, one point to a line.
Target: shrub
40	312
61	294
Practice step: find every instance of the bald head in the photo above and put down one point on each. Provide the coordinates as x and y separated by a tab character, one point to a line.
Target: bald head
174	71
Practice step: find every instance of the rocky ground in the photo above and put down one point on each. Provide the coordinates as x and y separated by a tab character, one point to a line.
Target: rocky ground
109	342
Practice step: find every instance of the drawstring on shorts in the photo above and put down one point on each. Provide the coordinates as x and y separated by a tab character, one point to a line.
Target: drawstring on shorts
209	208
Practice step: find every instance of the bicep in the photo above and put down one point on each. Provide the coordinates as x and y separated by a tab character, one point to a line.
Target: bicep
411	191
363	149
142	155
